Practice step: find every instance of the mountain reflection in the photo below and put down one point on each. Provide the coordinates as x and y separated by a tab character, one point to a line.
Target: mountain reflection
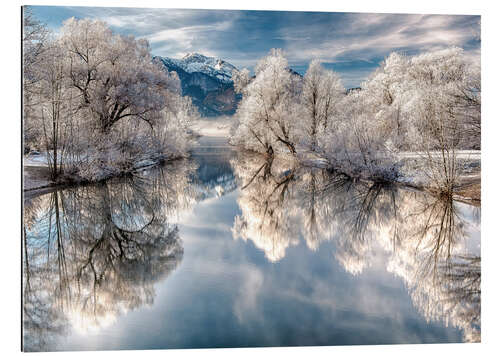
95	252
430	242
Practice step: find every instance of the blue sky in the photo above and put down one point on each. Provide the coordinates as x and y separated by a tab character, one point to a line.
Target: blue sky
353	44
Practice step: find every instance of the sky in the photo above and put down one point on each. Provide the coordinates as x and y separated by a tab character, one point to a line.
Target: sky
352	44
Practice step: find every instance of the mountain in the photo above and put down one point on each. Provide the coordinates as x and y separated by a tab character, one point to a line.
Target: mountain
207	80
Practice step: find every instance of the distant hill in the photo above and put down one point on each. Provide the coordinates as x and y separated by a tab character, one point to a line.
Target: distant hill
207	80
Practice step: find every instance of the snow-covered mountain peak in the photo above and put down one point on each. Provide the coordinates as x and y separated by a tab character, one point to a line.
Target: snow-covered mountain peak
195	57
207	80
196	62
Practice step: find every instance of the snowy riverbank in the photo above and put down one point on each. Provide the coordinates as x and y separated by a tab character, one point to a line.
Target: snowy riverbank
214	133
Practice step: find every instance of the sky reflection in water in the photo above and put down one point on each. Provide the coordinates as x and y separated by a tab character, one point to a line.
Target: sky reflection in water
231	250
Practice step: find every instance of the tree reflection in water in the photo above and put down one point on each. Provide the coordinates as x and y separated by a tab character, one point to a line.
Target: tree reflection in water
92	253
426	240
95	252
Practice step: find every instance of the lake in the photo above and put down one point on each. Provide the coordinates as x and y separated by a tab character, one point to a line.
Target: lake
231	249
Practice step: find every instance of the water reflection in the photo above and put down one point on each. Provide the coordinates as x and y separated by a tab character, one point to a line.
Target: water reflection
95	252
213	176
432	243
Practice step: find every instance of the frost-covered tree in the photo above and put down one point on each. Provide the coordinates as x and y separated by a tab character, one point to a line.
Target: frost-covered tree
35	35
322	90
356	143
469	96
404	88
172	130
266	113
54	111
385	94
241	79
428	103
114	74
445	91
102	106
34	42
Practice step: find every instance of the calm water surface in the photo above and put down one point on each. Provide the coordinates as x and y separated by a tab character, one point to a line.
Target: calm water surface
231	250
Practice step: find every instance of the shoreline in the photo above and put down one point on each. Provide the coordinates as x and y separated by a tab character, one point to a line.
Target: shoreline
36	179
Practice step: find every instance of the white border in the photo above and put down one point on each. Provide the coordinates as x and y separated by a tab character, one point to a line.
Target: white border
11	188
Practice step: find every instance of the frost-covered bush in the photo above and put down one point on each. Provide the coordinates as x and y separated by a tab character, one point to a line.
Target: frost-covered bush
357	143
132	144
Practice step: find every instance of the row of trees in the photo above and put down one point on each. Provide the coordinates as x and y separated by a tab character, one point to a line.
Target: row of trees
96	103
429	103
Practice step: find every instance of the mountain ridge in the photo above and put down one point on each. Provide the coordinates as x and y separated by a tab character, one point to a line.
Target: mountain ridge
207	80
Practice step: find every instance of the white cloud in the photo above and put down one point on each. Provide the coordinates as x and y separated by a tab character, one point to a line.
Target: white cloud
242	37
